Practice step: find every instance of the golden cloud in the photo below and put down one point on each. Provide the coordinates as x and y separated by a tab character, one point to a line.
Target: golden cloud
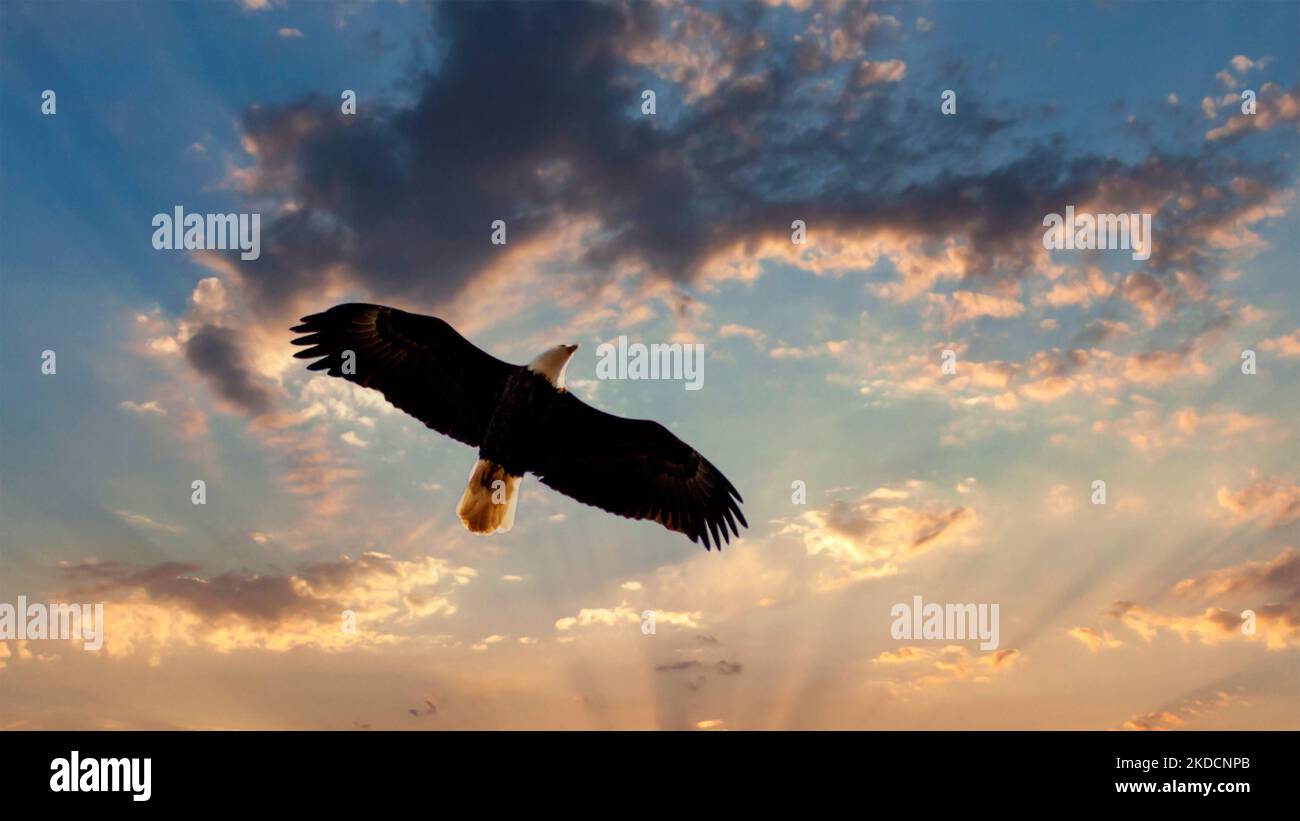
1182	714
1094	640
1276	502
625	614
911	669
872	537
327	606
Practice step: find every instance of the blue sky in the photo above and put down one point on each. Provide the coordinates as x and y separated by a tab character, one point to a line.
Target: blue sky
822	361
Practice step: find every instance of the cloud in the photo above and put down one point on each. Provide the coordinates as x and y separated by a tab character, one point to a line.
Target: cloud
695	49
829	348
245	365
1187	712
870	73
369	221
722	667
142	408
141	520
16	650
290	33
1275	502
1099	331
1147	430
1082	291
309	468
1274	107
1268	589
872	537
911	668
964	306
752	334
1209	627
215	353
1281	572
1242	64
1229	82
1061	500
624	614
1044	377
1093	639
487	642
1286	346
629	206
1277	624
1149	297
676	666
351	438
152	608
664	195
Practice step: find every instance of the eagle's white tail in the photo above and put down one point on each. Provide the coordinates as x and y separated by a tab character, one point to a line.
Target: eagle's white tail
489	501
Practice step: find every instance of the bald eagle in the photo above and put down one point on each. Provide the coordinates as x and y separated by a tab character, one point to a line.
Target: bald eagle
521	419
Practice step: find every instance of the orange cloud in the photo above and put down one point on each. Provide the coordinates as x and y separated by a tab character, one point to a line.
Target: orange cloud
1093	639
1184	713
1274	501
1282	571
911	669
1146	430
327	606
1287	345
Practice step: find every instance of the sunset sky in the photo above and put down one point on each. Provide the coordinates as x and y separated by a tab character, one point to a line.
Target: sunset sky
822	361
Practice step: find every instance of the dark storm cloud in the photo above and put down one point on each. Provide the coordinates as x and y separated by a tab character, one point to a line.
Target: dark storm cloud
406	198
215	353
531	116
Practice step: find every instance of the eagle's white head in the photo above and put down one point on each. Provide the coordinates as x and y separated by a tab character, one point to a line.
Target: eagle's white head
552	362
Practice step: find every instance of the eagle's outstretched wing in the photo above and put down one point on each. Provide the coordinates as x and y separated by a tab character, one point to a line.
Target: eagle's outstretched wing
638	469
419	363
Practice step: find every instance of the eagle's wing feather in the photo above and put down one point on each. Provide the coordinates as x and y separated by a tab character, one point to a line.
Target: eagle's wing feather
419	363
638	469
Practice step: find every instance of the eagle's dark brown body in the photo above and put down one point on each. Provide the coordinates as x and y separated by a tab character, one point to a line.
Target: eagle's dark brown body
521	422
